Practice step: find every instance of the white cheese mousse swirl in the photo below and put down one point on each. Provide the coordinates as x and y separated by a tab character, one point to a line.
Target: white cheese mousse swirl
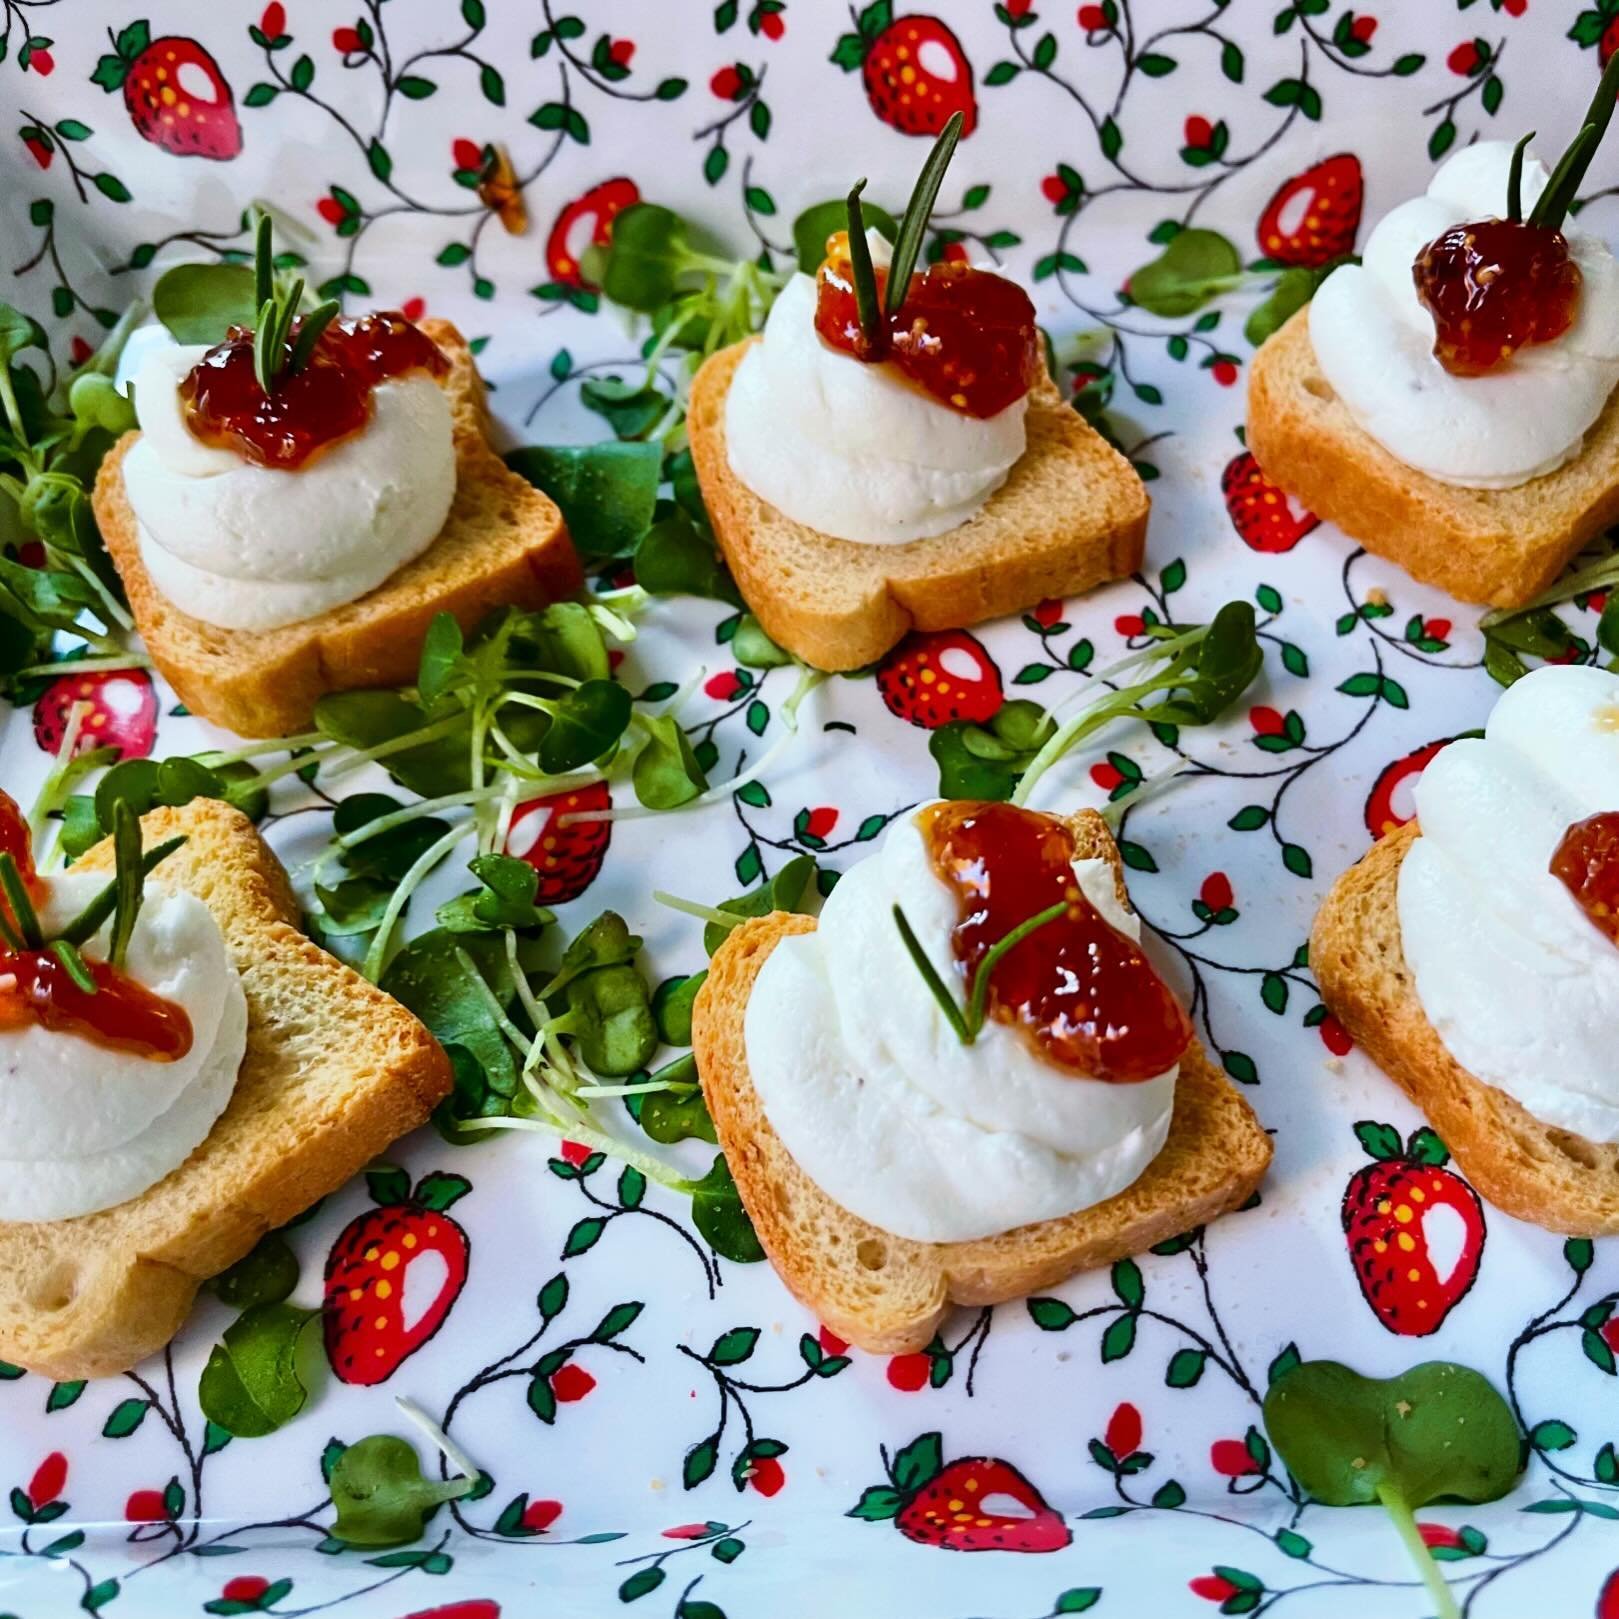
1374	343
83	1126
854	450
1521	986
883	1107
246	547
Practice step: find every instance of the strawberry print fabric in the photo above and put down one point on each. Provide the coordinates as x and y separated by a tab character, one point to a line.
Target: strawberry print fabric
662	1432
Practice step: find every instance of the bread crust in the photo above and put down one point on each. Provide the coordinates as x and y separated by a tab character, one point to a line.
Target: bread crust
1552	1178
1072	515
503	542
335	1071
888	1294
1496	547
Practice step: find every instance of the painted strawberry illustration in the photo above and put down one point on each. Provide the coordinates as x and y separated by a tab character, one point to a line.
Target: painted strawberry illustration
915	71
568	858
1260	511
176	95
1389	805
1415	1229
1313	217
587	221
477	1608
933	677
975	1504
122	712
375	1314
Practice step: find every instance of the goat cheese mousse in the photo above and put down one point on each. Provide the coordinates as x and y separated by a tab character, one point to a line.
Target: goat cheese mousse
113	1072
1474	344
1026	1081
903	442
261	506
1509	900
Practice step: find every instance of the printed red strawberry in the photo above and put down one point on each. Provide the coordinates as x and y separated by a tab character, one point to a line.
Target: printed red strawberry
477	1608
937	676
1395	1212
176	95
568	858
916	73
122	712
1389	804
1313	218
369	1285
587	221
976	1504
1260	511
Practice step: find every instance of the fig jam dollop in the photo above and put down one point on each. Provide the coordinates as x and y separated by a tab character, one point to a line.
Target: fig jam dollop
309	410
122	1014
1493	287
1082	993
964	336
1586	862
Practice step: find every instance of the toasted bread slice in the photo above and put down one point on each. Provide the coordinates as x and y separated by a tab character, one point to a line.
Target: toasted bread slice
1072	515
888	1294
1552	1178
335	1070
1499	547
503	542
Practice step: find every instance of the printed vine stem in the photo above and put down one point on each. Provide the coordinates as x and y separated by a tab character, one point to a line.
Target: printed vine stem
633	364
1474	86
1132	55
61	147
750	215
48	250
797	846
712	1278
1330	50
589	74
730	1390
977	1335
742	109
1398	643
12	11
1542	1326
1575	1518
709	1538
501	1369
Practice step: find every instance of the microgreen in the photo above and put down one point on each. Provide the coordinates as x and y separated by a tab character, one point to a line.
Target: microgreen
199	303
1536	630
912	228
675	559
1195	266
1437	1431
717	1212
1564	184
606	492
265	1275
1200	672
381	1497
251	1384
52	439
968	1021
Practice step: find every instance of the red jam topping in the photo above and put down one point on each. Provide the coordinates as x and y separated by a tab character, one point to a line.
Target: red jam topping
122	1015
310	410
964	336
14	839
1494	287
1080	991
1586	862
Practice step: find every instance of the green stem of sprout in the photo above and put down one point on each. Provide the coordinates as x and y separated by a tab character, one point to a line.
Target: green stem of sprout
1405	1522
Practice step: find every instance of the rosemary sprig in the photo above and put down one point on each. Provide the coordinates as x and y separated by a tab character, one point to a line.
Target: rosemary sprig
263	263
908	242
24	932
73	964
1515	180
1555	200
867	302
968	1024
126	853
309	330
89	921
